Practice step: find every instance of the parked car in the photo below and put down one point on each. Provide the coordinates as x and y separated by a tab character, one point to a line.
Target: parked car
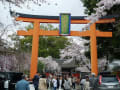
13	77
107	82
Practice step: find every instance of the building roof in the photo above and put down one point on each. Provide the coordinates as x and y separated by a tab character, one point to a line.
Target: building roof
82	69
72	65
69	65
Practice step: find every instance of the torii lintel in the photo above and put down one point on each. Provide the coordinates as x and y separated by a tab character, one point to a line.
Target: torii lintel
55	19
56	33
73	21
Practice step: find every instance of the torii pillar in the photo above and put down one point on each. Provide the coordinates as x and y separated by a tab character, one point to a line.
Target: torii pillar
36	32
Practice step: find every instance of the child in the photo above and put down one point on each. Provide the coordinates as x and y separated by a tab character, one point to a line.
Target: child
6	84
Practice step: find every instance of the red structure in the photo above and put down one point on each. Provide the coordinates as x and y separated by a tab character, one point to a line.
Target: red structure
36	32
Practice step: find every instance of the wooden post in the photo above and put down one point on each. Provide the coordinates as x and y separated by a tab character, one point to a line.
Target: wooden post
94	62
35	46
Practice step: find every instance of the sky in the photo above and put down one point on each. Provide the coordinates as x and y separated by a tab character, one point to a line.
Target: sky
55	7
74	7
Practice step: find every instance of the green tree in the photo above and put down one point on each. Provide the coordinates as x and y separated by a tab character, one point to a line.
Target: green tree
90	5
48	45
40	67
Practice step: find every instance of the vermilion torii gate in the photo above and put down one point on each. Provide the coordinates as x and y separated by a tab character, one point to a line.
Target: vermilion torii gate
36	32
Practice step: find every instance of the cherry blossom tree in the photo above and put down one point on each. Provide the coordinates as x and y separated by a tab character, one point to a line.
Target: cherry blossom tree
101	10
75	52
50	64
14	62
21	3
8	62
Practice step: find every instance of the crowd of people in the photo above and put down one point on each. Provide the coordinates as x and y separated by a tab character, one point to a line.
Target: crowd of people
56	82
66	82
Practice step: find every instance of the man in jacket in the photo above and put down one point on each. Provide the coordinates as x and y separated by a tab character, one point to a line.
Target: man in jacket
36	81
22	84
93	81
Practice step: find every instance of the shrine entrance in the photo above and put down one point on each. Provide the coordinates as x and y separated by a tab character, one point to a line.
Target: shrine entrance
36	32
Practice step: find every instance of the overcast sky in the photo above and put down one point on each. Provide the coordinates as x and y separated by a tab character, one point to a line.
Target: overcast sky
55	7
74	7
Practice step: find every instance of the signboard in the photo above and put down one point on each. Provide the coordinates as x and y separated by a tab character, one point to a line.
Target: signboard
65	24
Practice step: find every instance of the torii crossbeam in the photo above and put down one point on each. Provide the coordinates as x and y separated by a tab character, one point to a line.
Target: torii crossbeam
36	32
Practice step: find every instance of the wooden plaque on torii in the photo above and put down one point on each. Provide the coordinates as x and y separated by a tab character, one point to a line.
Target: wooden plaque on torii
36	32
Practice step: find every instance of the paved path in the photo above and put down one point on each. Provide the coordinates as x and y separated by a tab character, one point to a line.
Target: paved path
32	87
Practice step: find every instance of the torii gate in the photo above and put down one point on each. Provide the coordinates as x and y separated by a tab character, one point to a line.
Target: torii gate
36	32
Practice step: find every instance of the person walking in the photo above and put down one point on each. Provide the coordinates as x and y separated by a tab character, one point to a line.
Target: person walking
82	82
73	82
22	84
6	84
61	82
92	80
70	80
58	84
43	84
48	82
87	84
51	84
78	84
67	84
36	81
54	81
